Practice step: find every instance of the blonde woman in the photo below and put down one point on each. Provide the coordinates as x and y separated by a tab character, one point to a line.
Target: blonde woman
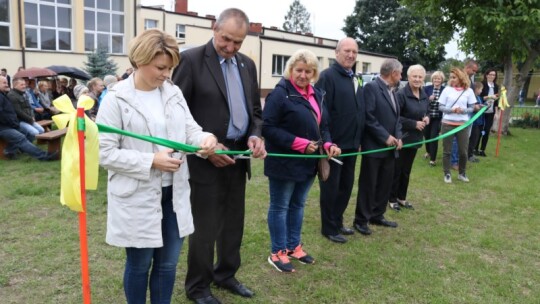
456	102
432	130
294	123
149	211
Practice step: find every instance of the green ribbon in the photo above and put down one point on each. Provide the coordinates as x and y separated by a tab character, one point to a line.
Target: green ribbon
192	149
156	140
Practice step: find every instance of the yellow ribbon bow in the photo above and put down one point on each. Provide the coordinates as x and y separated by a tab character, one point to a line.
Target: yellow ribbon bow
70	187
503	101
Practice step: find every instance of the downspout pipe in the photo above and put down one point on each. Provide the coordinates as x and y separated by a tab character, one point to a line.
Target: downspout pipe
21	36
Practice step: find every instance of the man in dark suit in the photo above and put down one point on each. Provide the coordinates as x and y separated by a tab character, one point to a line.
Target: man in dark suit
347	114
220	86
382	130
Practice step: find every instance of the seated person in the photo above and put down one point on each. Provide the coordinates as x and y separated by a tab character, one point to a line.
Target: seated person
44	97
25	113
31	95
15	136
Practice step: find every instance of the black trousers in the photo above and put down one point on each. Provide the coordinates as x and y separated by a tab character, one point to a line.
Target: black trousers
335	194
402	174
488	123
474	139
218	215
431	131
374	185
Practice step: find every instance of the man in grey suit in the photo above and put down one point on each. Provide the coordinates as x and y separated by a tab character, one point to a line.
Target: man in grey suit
382	129
220	87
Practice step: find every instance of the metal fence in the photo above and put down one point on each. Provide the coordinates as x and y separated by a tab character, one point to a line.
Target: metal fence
525	116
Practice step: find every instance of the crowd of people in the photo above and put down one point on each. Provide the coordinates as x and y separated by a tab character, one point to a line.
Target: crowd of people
31	99
157	196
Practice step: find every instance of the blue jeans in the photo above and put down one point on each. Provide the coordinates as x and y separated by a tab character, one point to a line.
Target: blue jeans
33	129
162	260
286	212
18	140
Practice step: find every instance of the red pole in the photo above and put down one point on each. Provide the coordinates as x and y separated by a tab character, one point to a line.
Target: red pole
85	272
499	131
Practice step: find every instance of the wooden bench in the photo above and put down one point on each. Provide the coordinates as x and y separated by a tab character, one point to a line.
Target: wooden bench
53	139
45	124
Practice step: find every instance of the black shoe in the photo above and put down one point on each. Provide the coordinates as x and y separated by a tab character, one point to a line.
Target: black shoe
338	238
346	231
362	228
475	152
394	206
206	300
405	204
51	156
384	222
11	156
238	288
482	153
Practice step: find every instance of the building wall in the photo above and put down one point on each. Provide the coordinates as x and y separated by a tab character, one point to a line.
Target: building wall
260	44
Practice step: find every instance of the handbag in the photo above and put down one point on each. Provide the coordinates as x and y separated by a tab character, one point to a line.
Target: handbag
323	166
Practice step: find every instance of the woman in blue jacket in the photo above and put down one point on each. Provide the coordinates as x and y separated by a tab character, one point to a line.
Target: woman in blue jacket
295	122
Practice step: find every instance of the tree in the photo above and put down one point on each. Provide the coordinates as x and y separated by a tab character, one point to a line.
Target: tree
505	31
99	64
297	19
385	26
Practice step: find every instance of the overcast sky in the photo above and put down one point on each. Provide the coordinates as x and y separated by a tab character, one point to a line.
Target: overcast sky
327	17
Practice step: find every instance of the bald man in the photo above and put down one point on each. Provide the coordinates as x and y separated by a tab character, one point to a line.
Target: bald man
345	105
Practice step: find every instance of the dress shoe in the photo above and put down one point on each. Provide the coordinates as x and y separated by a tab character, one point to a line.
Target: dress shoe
394	206
384	222
405	204
338	238
363	229
207	300
346	231
239	289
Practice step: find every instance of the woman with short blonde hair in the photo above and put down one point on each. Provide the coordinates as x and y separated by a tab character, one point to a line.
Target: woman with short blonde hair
432	130
306	57
148	210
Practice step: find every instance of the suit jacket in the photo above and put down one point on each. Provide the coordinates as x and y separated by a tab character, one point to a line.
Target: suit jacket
381	119
201	80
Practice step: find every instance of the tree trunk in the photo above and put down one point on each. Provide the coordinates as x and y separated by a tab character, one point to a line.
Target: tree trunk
512	86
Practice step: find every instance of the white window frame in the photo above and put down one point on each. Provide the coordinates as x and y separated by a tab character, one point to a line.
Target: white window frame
278	63
366	67
57	30
148	25
180	31
95	32
7	25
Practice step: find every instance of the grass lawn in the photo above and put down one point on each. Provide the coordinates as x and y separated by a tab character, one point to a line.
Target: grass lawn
464	243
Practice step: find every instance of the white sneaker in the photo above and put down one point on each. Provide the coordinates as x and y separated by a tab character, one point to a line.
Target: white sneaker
463	178
448	178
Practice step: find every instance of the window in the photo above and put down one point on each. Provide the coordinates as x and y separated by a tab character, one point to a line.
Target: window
180	31
331	61
48	24
278	64
366	67
104	25
4	23
150	23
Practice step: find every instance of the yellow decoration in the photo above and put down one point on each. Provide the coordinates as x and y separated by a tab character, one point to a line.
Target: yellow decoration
503	101
70	190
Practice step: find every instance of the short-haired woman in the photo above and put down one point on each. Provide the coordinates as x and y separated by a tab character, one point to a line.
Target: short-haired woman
433	129
413	111
294	123
148	192
456	102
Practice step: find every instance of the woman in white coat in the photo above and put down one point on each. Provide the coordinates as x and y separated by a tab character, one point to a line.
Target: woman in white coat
148	192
